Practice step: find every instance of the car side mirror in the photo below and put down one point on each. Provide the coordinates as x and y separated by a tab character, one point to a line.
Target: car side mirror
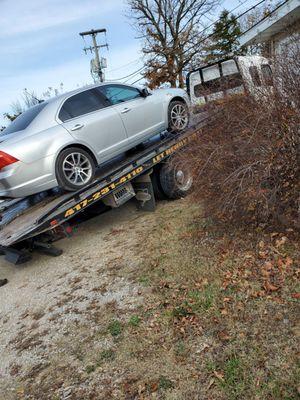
145	93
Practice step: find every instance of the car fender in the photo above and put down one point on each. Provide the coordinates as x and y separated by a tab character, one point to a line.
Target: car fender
169	94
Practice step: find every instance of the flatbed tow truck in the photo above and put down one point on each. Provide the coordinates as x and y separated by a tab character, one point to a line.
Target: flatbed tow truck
35	222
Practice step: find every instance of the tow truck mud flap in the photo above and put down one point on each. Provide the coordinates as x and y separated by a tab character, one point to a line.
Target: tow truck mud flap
15	256
144	193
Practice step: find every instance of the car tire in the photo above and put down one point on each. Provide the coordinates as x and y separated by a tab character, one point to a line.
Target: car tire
74	169
178	116
175	179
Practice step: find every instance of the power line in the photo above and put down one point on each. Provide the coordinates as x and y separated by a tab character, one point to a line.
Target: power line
125	65
133	73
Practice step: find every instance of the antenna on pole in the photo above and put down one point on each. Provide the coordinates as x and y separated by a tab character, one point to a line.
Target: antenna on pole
97	64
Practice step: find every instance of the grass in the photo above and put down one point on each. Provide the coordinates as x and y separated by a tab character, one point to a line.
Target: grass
234	382
115	328
135	321
206	328
107	355
165	383
204	299
144	280
181	349
205	308
90	368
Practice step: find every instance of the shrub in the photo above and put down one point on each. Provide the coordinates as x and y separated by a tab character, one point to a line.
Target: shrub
245	161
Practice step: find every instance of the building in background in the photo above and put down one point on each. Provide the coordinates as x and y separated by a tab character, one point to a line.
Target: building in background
277	31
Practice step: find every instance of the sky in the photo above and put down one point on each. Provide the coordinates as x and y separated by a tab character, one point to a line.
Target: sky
40	46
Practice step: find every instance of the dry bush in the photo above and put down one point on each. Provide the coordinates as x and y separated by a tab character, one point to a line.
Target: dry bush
246	159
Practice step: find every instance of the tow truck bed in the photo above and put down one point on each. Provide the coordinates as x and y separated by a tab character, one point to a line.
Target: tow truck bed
22	219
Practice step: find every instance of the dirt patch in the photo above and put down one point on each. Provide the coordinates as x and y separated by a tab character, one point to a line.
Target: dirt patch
54	311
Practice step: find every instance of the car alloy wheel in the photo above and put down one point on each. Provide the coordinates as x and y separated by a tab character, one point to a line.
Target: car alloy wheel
179	116
77	169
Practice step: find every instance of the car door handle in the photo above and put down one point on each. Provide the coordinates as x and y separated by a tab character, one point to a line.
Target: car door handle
125	110
77	127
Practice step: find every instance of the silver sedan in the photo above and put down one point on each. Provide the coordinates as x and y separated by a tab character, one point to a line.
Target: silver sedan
60	142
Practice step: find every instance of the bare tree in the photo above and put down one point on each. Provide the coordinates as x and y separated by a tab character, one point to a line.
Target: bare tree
171	30
30	99
252	18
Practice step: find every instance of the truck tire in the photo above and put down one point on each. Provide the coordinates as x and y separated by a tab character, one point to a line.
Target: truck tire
74	168
176	180
157	189
178	116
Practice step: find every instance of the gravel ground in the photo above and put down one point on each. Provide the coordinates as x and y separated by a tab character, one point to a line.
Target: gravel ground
47	297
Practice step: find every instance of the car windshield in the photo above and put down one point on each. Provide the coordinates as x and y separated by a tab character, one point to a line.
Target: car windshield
23	120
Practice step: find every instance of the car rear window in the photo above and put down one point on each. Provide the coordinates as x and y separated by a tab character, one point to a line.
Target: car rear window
24	120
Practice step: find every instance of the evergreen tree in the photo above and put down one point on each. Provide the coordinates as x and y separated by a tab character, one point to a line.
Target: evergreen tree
224	40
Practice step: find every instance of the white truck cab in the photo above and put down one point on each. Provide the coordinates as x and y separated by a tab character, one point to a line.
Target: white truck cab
236	75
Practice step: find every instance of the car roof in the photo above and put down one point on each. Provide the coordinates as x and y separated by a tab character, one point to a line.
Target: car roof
61	97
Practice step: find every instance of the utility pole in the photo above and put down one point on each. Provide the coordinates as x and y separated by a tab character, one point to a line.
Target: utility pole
96	64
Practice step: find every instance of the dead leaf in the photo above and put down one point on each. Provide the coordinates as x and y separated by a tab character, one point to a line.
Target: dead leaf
219	375
248	256
263	254
288	261
268	265
274	234
154	387
227	299
270	287
296	296
211	382
224	336
280	242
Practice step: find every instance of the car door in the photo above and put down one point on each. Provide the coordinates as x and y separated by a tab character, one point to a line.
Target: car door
90	118
142	116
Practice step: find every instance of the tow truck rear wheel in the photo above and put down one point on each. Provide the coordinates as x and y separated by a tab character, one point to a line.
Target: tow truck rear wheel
75	168
157	188
175	179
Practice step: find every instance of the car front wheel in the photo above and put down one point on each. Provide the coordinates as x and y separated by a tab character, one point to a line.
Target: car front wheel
178	116
75	168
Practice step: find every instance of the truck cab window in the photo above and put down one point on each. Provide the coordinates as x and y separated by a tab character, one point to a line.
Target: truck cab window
267	74
255	75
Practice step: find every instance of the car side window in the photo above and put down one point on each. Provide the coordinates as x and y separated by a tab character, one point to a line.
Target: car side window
82	103
119	93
